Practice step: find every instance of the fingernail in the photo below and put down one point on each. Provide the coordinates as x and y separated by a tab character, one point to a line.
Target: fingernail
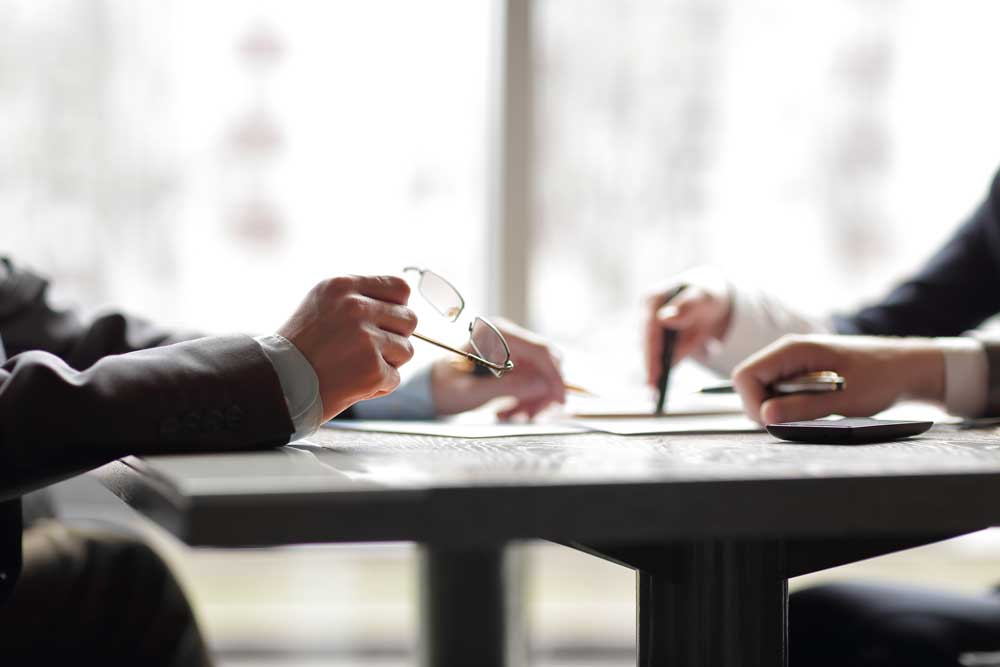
667	312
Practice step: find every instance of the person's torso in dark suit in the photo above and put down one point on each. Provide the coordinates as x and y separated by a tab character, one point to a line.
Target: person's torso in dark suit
956	290
142	392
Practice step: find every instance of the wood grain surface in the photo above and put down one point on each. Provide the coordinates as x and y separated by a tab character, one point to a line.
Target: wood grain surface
588	487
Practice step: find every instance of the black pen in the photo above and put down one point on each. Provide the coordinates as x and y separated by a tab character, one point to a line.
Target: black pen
810	383
666	356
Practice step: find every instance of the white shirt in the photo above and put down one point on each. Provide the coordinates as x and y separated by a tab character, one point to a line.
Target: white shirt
759	319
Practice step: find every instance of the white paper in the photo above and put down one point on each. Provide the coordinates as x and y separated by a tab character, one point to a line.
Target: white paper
634	407
712	423
457	428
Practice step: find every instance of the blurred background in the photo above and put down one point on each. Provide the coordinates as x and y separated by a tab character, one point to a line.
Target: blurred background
204	162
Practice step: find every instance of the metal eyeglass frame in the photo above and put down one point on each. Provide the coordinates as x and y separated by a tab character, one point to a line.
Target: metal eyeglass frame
496	369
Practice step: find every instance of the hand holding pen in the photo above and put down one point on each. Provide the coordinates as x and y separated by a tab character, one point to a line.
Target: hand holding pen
817	382
878	371
687	312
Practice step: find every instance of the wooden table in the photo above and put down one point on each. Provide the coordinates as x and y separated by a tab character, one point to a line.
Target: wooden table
714	525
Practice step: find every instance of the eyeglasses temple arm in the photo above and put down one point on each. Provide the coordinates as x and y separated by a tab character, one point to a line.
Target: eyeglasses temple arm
467	355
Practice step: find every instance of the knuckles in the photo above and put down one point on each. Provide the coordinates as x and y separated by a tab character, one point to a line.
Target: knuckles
410	321
399	286
336	286
354	306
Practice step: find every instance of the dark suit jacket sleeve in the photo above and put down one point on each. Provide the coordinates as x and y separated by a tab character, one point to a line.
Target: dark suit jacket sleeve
77	394
211	394
955	291
29	322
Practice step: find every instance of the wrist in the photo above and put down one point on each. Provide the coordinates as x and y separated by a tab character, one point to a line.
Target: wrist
725	319
452	391
922	366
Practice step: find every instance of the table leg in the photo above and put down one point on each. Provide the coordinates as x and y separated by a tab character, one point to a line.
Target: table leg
464	604
708	604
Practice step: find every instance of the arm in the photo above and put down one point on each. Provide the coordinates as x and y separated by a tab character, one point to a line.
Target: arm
213	394
879	371
718	322
956	290
29	322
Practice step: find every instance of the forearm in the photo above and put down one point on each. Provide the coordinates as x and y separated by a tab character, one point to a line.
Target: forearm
756	320
952	293
951	372
28	321
960	363
213	394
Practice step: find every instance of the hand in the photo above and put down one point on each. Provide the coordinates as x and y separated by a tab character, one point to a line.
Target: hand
700	313
535	383
354	331
877	373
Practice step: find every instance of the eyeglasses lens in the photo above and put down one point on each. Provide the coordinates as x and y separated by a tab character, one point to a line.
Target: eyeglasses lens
488	344
441	295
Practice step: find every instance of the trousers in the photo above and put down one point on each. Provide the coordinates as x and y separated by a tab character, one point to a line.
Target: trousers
878	625
96	598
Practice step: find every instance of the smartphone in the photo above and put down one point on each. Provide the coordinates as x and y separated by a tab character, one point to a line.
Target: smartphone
847	431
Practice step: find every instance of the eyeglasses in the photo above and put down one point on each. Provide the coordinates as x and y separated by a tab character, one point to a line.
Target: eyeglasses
489	345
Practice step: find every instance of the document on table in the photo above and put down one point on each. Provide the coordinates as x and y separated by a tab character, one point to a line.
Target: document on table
682	405
643	425
460	427
672	424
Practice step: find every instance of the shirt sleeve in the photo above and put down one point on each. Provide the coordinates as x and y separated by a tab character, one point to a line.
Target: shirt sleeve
299	384
966	376
757	320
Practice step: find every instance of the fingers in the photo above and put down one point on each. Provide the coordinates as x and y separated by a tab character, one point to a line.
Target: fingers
529	409
699	313
533	360
800	407
391	380
394	318
785	358
396	350
752	392
383	288
536	364
684	313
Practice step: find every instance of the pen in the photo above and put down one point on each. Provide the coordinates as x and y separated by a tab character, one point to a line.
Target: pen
666	357
809	383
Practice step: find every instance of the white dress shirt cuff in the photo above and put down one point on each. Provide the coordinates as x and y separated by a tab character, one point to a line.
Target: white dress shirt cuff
757	320
298	381
966	372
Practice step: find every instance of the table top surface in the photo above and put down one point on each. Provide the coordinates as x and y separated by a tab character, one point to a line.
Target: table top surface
355	486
